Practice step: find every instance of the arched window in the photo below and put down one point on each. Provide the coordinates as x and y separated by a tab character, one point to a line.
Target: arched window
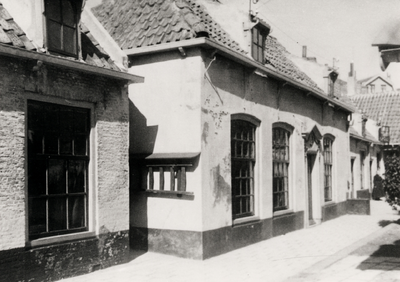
243	159
328	163
281	162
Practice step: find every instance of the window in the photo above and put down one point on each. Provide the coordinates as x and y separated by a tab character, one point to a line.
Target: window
372	88
281	161
362	159
62	26
383	87
242	171
258	44
58	158
328	169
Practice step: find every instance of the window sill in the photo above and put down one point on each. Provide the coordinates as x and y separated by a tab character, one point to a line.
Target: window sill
246	220
60	239
170	194
282	212
329	203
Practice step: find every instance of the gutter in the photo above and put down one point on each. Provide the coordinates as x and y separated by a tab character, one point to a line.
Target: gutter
239	58
355	136
11	51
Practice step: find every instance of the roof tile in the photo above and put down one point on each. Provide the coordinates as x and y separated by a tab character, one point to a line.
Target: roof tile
383	108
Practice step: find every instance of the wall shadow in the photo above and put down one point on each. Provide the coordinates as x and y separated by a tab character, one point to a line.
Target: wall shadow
141	144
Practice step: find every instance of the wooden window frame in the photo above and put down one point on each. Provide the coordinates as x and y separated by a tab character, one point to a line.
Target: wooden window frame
76	5
257	47
328	168
243	163
74	169
280	167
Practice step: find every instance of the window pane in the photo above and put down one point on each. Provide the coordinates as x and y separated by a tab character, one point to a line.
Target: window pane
80	145
35	142
54	35
66	118
52	118
37	216
81	121
57	214
68	13
69	40
76	212
66	144
37	177
76	176
57	177
53	10
51	143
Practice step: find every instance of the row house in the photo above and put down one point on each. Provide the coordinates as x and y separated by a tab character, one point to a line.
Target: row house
233	143
64	138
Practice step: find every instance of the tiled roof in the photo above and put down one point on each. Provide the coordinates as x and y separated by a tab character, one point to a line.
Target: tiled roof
383	108
277	56
11	34
135	24
140	23
93	53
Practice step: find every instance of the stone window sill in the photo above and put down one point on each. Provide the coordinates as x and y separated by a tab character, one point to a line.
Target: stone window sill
60	239
170	194
246	220
283	212
329	203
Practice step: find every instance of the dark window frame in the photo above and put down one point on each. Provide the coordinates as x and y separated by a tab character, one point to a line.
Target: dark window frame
58	169
280	167
328	168
243	161
64	26
257	47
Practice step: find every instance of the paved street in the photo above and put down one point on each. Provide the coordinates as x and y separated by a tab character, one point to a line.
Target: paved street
340	246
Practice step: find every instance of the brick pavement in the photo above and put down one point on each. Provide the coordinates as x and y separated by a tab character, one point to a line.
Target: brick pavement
275	259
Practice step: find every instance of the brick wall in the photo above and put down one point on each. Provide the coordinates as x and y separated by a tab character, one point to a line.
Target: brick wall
21	80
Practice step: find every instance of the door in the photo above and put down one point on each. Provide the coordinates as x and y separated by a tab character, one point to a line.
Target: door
310	166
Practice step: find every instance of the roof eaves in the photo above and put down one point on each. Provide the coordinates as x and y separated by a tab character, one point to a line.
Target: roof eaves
238	57
11	51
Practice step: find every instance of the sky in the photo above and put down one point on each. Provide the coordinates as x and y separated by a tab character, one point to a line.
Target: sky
340	29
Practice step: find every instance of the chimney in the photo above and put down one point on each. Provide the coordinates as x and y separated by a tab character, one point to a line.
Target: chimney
304	52
351	81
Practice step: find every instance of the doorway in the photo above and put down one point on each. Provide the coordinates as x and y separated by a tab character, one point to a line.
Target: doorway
310	167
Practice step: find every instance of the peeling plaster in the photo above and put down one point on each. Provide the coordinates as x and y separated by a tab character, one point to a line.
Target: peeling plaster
221	189
204	135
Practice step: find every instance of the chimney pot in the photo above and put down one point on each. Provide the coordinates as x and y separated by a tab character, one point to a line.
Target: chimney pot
304	51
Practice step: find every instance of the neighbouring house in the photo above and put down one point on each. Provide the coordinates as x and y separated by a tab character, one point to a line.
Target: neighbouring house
233	143
384	108
366	155
375	84
64	138
365	148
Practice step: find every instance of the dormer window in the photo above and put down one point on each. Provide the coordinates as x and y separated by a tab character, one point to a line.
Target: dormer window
258	44
62	26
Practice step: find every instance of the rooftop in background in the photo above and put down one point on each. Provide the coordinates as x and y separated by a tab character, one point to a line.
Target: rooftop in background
384	108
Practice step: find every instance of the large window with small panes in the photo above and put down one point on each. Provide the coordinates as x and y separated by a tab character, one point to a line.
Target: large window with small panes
243	158
258	44
328	163
58	160
281	163
62	26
